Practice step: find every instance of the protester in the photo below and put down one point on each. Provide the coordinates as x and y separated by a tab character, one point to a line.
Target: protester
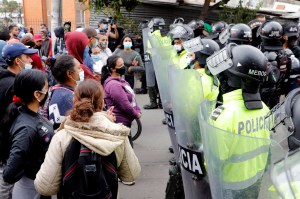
38	43
68	73
46	49
30	134
100	54
36	59
60	45
76	43
14	31
131	58
67	26
96	130
4	34
118	94
109	28
93	43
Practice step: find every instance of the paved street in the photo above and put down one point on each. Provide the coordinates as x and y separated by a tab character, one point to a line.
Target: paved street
152	150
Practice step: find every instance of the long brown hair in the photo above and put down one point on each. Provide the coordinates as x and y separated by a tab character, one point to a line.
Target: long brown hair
88	99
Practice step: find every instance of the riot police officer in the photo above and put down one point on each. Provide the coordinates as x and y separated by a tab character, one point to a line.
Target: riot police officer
217	29
240	34
243	70
179	34
198	62
200	28
156	25
279	62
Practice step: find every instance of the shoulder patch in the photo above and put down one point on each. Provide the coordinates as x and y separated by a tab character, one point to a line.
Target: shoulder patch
217	112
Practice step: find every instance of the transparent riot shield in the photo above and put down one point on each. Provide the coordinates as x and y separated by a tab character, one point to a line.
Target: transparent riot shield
150	74
238	166
285	173
162	58
186	94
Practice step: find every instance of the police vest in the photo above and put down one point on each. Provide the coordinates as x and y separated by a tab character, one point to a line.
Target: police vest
244	160
210	90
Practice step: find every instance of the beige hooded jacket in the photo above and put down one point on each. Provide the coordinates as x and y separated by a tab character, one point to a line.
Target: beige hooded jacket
102	136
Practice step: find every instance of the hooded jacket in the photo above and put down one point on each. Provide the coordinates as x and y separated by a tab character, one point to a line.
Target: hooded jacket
7	79
119	94
60	40
76	43
102	136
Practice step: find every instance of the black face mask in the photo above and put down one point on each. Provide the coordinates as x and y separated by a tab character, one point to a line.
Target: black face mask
42	102
121	70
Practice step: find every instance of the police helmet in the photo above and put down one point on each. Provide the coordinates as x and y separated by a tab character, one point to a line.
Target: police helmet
271	30
240	67
181	31
219	27
177	21
209	48
291	30
196	24
156	22
143	24
248	63
240	33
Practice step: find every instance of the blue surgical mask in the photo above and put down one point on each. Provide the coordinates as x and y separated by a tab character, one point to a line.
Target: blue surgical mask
95	58
127	44
95	44
104	27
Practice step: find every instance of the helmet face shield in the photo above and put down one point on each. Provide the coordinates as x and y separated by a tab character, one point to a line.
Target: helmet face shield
193	45
224	36
280	124
219	61
183	32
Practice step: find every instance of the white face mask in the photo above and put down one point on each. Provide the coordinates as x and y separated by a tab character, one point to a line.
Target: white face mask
177	47
26	66
81	77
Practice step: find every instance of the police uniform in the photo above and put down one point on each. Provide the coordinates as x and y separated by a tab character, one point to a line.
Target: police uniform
240	173
210	89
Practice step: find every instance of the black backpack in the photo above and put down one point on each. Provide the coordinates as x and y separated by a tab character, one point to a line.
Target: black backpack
88	175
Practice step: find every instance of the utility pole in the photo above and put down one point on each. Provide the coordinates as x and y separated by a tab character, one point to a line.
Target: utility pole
56	19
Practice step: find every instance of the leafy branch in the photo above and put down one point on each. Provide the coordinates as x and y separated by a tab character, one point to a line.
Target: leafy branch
240	14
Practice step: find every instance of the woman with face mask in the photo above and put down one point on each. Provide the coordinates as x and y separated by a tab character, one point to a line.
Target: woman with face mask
118	93
67	72
131	58
30	134
100	54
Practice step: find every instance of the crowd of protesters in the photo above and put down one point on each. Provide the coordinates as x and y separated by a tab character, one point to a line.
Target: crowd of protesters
56	87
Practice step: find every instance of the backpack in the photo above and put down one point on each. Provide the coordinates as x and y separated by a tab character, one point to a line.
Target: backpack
88	175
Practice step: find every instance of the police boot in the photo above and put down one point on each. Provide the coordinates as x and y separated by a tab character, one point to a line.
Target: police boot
159	101
152	95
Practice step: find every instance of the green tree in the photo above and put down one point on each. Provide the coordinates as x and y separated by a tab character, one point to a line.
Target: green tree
115	9
9	7
240	14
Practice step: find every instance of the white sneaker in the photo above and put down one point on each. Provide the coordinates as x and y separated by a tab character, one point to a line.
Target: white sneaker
127	183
